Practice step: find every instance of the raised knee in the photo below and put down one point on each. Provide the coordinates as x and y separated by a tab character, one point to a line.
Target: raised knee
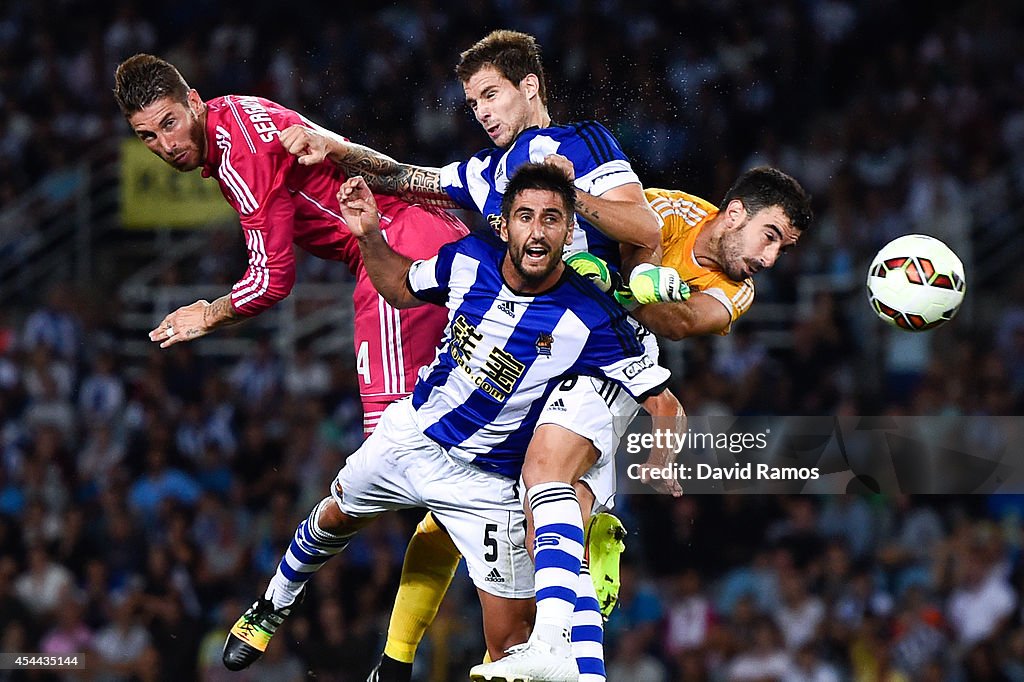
333	520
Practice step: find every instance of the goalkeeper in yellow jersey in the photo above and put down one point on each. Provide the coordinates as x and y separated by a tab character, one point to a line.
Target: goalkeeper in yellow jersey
716	251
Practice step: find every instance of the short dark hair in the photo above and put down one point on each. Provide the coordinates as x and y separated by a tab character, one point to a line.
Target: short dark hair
515	55
142	79
763	187
539	176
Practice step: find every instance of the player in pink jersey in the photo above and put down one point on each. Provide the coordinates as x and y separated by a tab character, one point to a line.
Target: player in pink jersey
280	203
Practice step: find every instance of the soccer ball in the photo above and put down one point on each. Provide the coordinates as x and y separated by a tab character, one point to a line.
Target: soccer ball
916	283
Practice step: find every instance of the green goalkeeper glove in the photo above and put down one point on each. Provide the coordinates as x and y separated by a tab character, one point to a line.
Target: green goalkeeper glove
656	284
593	268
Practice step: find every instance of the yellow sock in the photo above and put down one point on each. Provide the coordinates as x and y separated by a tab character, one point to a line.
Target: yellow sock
430	562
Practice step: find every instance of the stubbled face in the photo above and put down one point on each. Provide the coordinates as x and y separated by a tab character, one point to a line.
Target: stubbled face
501	107
173	131
755	241
537	229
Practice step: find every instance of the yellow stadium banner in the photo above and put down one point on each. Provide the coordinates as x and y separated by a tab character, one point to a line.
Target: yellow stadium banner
155	195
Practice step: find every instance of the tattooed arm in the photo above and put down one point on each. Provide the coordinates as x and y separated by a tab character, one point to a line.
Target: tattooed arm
382	173
621	213
194	320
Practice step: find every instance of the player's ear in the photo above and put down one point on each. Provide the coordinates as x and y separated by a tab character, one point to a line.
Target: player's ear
503	229
530	85
195	102
735	213
571	230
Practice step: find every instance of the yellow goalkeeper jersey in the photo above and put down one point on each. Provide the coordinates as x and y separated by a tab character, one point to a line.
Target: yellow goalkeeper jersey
684	216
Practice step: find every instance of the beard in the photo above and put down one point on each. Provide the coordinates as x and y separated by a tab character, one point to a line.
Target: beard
733	263
535	275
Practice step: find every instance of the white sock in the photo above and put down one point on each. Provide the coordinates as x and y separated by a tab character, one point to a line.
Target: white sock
558	551
310	548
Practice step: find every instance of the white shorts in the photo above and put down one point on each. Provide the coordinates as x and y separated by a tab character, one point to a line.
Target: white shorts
599	411
398	467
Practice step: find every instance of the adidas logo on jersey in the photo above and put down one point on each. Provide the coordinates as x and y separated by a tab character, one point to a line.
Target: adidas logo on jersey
507	307
558	405
494	577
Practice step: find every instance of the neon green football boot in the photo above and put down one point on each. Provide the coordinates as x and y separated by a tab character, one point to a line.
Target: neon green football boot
605	544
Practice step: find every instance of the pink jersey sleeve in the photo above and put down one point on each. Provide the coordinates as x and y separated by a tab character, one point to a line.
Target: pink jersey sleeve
252	172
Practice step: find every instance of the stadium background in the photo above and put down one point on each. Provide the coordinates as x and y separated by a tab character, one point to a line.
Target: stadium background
145	495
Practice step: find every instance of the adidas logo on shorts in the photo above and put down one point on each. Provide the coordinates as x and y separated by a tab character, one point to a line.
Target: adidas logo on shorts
494	576
558	405
508	308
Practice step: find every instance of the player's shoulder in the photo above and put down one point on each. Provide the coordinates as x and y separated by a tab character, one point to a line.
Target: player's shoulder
676	196
481	244
594	307
257	119
588	132
677	205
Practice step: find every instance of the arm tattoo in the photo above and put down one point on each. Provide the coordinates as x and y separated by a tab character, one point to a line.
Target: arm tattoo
221	313
384	174
591	214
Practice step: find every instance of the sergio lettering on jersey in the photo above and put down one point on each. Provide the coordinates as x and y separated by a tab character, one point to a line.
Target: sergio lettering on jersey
260	118
501	370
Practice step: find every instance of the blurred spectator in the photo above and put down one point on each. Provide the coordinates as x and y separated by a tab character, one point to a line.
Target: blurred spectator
101	395
638	613
70	635
55	326
159	483
44	584
631	661
762	658
123	650
801	614
688	616
807	666
982	601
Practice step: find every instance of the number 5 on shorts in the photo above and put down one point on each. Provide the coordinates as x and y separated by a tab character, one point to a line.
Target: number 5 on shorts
490	543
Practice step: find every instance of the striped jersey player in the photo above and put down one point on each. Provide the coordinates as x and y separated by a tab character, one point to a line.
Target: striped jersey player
519	322
504	353
600	165
282	204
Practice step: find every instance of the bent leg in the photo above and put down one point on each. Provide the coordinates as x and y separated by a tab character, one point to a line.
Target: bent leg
325	532
507	622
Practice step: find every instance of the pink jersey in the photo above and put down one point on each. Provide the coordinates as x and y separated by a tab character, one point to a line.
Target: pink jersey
282	203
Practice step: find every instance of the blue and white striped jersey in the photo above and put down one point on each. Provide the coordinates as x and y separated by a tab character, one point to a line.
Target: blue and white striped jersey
502	352
599	162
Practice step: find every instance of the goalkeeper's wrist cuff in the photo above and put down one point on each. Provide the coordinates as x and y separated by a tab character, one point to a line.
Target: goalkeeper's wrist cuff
625	298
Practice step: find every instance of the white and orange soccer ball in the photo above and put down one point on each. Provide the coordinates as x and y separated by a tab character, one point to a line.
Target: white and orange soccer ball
916	283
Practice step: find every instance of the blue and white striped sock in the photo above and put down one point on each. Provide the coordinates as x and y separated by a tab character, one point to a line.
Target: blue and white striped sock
588	630
558	551
310	548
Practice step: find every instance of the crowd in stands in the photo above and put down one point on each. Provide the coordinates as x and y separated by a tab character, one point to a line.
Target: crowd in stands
144	502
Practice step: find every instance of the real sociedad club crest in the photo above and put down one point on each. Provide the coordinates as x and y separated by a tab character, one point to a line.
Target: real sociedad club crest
544	342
